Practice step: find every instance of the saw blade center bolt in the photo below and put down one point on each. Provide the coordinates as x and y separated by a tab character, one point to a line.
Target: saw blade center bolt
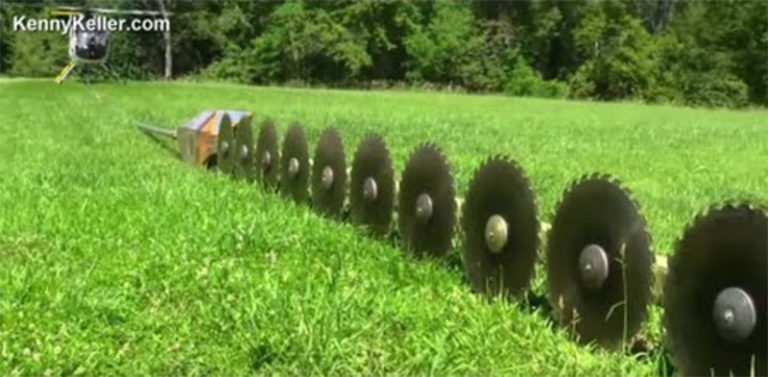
327	178
593	266
293	167
224	149
266	160
424	208
496	233
734	314
370	189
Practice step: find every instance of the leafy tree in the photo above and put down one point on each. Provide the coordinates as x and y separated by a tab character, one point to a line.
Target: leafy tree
618	52
6	38
694	53
452	49
31	53
728	38
305	43
525	81
382	27
38	54
435	47
701	66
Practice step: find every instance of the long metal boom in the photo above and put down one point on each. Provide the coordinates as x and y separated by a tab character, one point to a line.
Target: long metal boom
173	134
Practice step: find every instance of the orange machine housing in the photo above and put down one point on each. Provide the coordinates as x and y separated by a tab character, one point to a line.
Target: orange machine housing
197	138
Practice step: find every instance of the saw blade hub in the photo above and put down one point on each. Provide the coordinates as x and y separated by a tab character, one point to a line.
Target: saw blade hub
424	208
734	314
496	233
266	160
327	178
243	152
593	266
370	190
293	167
224	148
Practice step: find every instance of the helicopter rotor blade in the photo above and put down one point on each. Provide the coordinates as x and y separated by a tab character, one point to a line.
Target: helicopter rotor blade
133	12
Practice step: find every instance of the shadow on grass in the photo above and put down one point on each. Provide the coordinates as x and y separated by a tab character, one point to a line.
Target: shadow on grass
655	354
260	356
167	144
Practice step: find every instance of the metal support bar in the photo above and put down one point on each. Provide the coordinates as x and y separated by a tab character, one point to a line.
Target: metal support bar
173	134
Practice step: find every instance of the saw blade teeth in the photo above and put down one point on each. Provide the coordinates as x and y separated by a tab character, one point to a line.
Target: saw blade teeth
426	223
597	210
616	181
569	187
503	157
373	137
294	166
723	246
729	204
267	156
329	189
225	145
498	259
378	140
528	186
372	205
434	148
244	149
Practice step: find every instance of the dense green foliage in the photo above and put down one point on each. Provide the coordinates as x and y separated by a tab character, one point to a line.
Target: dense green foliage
708	53
118	259
525	81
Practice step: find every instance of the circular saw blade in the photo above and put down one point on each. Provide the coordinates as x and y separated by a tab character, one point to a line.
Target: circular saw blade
294	164
372	185
225	145
244	149
267	156
500	228
427	203
597	228
726	248
329	174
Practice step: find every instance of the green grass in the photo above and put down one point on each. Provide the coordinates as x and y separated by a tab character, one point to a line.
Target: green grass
119	259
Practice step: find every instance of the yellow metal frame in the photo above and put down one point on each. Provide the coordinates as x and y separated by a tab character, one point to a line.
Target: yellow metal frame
64	72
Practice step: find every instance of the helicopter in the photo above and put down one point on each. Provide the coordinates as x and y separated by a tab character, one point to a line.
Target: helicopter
89	36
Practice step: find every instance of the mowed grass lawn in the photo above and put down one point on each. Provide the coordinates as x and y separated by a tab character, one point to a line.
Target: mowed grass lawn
118	259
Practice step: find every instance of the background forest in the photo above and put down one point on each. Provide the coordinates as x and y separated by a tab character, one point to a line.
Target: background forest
696	53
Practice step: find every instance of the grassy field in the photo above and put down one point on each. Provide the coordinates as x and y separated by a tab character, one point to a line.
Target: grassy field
118	259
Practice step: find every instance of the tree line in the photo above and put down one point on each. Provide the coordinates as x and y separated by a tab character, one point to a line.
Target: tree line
696	53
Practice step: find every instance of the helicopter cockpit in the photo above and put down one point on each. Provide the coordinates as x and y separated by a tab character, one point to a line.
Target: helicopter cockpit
89	45
89	38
